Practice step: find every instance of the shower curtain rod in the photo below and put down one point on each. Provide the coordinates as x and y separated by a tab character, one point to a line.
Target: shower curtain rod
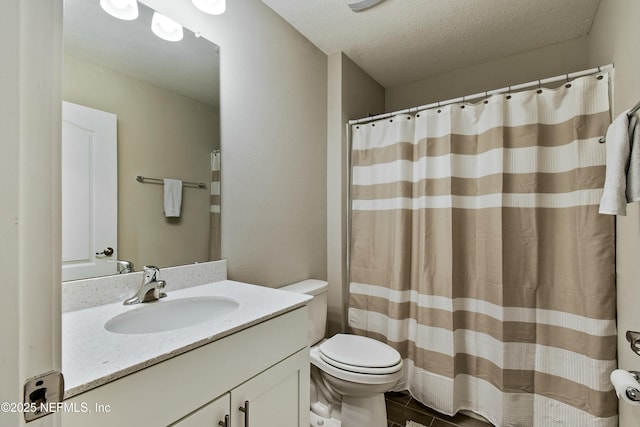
486	94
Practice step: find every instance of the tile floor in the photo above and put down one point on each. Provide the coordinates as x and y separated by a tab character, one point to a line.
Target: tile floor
402	407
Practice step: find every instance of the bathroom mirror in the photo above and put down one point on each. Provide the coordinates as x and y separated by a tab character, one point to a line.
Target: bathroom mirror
166	99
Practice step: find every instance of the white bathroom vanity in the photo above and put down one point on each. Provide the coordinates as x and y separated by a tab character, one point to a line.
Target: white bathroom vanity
248	368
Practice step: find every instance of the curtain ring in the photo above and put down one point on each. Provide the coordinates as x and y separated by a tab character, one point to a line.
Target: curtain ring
539	87
486	97
568	85
509	93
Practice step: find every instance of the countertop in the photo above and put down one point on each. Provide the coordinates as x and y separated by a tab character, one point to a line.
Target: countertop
93	356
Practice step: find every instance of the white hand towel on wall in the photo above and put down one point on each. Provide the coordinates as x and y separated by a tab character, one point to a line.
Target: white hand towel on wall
622	180
172	197
633	175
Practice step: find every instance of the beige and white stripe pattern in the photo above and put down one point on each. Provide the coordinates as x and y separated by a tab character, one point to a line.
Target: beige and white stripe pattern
478	252
214	210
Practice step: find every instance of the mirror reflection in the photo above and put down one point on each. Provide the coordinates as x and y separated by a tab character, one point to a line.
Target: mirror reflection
157	103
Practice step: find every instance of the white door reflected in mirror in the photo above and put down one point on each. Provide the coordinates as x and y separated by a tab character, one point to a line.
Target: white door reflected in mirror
89	169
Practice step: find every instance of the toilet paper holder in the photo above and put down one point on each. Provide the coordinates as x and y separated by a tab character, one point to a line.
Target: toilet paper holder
634	340
632	392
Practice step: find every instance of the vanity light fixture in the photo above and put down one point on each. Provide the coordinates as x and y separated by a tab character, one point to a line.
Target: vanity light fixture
212	7
121	9
166	28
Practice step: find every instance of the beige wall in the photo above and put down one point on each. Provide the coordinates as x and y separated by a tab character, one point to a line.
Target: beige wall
525	67
615	39
351	94
160	134
274	142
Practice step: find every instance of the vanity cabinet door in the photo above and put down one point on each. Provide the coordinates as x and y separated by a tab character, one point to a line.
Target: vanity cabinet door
278	397
212	414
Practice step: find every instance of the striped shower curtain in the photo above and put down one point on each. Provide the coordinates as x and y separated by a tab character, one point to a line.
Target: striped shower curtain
214	208
477	251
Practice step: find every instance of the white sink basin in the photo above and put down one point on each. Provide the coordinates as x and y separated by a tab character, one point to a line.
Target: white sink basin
170	315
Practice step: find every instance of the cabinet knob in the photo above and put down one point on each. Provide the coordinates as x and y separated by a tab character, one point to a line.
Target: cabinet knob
245	410
224	423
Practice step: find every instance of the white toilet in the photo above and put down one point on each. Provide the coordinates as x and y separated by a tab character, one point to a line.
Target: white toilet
349	373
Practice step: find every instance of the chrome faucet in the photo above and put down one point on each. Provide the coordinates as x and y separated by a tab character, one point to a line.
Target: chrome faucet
150	288
123	266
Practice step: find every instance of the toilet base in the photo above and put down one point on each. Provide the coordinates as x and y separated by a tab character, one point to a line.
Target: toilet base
356	412
318	421
367	411
351	399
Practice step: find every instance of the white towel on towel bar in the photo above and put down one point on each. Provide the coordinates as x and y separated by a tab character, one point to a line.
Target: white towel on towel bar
622	180
172	197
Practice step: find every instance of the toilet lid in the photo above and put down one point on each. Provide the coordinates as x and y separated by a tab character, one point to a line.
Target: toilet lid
359	354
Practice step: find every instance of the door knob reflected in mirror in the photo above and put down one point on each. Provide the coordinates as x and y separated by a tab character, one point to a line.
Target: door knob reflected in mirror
106	252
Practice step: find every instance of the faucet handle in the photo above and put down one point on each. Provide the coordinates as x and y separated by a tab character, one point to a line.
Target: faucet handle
151	273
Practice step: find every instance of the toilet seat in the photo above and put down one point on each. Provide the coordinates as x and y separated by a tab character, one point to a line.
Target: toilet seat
347	349
359	354
350	375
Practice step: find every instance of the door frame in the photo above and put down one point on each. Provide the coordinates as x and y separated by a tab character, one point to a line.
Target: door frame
30	220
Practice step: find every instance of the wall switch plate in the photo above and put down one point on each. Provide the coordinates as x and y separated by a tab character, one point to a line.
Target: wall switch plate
40	393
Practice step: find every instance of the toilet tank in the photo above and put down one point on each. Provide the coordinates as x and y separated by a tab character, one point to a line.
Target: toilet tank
317	307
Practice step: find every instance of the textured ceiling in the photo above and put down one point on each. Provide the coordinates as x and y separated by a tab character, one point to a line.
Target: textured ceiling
401	41
186	67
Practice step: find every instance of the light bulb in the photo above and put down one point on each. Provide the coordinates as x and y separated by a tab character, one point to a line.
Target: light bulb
166	28
121	9
212	7
120	4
